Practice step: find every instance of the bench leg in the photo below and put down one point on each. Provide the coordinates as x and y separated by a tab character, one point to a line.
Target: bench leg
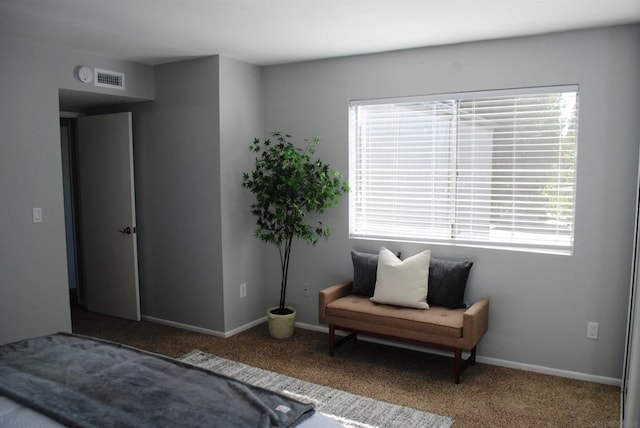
332	339
460	365
457	365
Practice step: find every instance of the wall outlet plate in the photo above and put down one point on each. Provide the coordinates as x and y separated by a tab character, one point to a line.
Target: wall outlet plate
37	215
592	330
243	290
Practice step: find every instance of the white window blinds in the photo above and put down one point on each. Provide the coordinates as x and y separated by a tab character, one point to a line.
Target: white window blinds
481	169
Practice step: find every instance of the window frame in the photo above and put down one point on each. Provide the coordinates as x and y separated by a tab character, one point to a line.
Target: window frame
563	249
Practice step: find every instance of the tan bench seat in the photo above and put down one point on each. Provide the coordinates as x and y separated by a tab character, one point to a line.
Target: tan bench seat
455	330
437	320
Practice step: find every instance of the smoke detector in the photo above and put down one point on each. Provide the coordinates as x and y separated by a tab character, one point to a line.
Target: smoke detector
84	74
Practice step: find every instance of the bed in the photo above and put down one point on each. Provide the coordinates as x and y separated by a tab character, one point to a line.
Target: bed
75	381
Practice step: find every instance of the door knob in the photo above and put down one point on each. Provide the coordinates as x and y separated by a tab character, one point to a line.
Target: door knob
126	230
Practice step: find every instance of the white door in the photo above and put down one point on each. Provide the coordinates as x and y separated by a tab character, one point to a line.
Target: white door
104	166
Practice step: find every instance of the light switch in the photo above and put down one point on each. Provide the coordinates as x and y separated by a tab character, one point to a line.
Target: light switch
37	215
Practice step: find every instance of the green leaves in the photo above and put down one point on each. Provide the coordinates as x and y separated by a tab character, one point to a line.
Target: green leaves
288	185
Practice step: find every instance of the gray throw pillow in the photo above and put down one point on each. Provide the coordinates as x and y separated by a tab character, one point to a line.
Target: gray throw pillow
365	271
365	268
447	283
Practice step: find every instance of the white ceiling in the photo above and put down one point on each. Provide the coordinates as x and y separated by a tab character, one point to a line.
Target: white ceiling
266	32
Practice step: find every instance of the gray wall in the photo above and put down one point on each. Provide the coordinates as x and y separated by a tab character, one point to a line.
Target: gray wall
241	120
34	296
540	304
191	146
177	162
184	196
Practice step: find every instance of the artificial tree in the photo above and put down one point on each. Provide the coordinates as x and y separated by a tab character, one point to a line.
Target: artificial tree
289	184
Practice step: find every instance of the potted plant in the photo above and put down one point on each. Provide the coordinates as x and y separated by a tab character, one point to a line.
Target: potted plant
288	185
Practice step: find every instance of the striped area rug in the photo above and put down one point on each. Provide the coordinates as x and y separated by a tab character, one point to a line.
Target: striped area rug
352	411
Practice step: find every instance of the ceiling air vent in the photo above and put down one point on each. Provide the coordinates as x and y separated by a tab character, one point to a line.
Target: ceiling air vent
108	79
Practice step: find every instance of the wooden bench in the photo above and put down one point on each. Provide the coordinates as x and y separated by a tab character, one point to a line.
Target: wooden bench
454	330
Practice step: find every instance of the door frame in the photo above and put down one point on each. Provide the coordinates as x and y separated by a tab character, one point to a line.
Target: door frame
69	170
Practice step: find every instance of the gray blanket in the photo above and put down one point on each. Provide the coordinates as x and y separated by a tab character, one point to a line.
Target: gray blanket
83	382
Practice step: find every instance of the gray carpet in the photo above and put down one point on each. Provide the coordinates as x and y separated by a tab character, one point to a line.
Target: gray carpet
351	410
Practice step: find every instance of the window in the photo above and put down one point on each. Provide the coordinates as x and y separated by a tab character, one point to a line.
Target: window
487	168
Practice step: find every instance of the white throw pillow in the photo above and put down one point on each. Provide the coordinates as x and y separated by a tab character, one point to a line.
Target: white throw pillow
402	282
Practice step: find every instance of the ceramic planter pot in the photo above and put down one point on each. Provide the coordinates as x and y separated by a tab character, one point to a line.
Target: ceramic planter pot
281	326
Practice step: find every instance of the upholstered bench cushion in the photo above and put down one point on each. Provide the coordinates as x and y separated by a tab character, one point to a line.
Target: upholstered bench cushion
436	320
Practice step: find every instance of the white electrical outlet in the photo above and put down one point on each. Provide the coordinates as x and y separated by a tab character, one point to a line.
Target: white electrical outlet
592	330
305	288
37	215
243	290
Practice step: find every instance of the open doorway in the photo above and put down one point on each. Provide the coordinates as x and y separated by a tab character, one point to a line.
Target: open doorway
67	144
115	292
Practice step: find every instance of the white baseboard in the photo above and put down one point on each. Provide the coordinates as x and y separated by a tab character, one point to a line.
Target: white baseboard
245	327
484	360
205	330
184	326
550	371
313	327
